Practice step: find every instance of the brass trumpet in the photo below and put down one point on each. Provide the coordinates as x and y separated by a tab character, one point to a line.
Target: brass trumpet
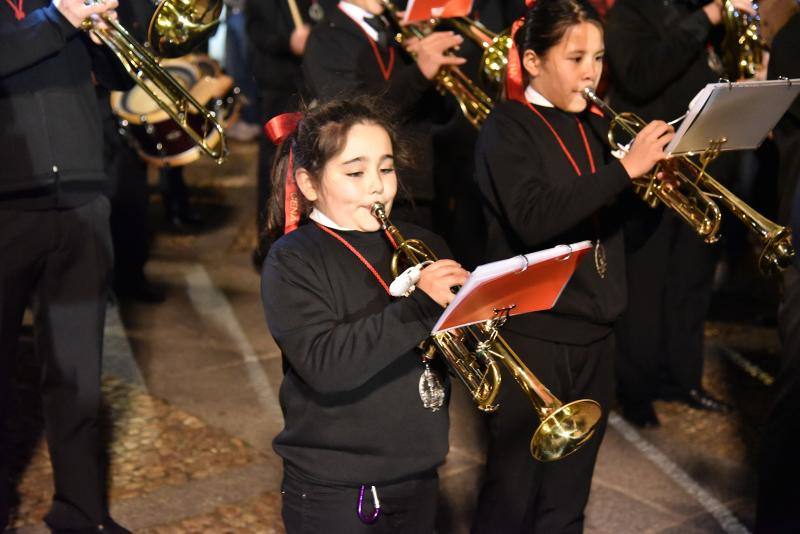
742	46
475	104
473	352
496	46
176	27
693	194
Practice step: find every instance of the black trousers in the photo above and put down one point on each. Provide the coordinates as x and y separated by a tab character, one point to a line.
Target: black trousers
521	494
779	464
660	338
60	260
407	507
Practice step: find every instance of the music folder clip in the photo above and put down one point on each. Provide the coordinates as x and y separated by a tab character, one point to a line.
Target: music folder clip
418	10
732	116
522	284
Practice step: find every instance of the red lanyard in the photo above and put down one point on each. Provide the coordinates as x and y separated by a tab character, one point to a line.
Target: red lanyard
19	13
563	146
358	255
386	71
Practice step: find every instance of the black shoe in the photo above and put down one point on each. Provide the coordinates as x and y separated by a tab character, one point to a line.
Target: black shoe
185	219
641	415
703	400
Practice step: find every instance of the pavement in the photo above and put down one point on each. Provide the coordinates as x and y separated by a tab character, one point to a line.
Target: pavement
190	389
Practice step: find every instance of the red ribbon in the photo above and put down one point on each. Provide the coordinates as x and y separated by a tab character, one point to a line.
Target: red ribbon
514	74
19	11
279	129
282	126
514	77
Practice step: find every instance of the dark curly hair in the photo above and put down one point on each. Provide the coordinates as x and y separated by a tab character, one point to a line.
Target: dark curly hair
321	135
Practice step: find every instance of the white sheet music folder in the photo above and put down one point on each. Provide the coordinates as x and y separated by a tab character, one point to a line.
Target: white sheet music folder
743	113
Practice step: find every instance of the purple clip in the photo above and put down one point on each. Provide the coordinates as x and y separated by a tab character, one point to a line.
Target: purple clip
376	506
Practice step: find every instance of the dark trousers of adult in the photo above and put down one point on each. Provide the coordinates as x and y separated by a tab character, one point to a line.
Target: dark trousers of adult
520	494
660	338
407	507
779	465
60	261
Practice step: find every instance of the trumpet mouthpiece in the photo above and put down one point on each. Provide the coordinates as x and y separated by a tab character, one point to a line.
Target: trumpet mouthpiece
589	94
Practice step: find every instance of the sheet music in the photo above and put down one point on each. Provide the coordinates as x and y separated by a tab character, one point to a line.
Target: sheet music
743	113
486	273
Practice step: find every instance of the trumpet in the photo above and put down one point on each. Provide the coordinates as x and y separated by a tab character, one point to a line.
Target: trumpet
742	46
473	352
177	26
496	46
693	194
475	104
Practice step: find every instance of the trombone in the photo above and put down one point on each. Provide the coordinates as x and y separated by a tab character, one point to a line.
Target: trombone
177	26
473	353
695	194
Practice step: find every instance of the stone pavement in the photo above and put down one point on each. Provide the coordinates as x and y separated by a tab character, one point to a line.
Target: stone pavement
191	393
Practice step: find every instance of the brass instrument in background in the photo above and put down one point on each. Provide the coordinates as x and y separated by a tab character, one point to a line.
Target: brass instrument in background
693	194
177	26
743	46
496	46
473	352
475	104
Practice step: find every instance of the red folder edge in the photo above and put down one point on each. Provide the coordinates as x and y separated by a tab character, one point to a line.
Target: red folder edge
536	288
419	10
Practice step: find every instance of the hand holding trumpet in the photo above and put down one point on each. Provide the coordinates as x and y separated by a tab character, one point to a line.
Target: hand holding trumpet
79	11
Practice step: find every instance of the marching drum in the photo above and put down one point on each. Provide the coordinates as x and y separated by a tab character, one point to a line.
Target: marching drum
158	139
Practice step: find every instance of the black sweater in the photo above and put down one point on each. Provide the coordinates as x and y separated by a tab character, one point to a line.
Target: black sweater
350	394
340	62
657	55
533	199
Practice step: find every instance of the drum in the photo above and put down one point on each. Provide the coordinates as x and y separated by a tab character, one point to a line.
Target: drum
157	138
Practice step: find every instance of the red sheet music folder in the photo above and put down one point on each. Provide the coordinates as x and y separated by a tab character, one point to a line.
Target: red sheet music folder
418	10
528	283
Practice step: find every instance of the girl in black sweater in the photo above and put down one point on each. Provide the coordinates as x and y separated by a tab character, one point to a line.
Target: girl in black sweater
360	450
547	178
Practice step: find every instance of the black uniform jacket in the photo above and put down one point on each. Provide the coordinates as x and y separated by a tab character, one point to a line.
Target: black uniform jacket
658	57
341	62
534	199
785	62
350	396
51	141
269	27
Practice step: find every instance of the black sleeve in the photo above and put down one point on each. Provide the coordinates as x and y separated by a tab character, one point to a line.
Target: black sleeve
264	22
646	61
42	33
332	68
329	354
538	203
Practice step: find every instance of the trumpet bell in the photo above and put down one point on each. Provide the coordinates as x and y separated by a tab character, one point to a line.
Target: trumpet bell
494	60
565	430
179	26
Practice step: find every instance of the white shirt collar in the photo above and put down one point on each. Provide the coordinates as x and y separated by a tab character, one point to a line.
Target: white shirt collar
324	220
535	97
358	15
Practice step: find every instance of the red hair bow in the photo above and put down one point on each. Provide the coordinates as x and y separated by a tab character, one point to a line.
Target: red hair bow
278	129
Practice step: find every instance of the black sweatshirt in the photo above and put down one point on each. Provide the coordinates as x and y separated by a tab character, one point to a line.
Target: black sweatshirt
533	199
350	394
340	62
657	55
